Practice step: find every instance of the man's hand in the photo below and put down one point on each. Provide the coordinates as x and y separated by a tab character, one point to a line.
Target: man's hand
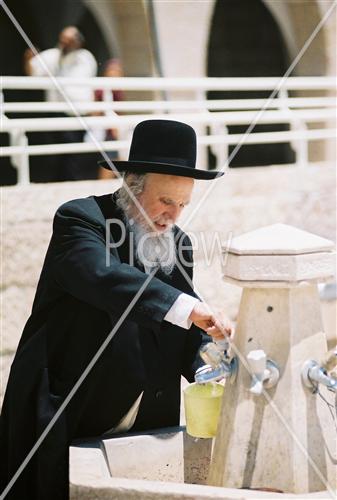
215	324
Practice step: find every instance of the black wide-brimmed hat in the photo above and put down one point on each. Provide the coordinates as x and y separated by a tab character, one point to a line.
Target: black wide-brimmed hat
163	147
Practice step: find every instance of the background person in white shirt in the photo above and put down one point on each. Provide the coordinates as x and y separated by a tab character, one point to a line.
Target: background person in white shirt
68	59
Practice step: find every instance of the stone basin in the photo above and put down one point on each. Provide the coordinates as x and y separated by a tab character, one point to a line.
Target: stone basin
162	464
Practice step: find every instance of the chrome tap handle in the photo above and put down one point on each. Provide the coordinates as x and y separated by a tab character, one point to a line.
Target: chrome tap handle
329	362
265	372
313	374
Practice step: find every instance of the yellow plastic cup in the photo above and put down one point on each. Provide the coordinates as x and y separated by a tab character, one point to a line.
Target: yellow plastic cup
202	409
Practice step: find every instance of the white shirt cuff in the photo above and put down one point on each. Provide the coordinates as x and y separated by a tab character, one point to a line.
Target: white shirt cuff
180	311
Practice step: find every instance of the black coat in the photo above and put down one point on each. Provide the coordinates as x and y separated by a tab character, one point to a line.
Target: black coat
78	301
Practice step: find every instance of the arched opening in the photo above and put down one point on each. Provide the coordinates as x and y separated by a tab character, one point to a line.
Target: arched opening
245	41
42	21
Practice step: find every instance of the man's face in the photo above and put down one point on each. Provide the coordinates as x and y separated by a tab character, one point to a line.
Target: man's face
164	197
68	40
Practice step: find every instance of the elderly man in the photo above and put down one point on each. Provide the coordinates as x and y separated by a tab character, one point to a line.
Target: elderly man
118	270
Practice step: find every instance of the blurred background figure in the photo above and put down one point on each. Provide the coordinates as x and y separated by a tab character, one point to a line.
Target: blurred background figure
112	69
68	59
26	59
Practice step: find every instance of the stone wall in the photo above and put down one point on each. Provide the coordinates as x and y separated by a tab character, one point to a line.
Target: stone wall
242	200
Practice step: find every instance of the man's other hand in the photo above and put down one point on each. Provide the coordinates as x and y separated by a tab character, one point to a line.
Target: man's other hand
213	323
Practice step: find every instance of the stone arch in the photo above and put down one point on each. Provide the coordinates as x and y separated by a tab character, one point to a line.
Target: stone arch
132	36
296	25
245	41
104	17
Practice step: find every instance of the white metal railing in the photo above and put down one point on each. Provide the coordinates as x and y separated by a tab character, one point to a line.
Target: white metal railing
183	84
136	106
297	112
226	118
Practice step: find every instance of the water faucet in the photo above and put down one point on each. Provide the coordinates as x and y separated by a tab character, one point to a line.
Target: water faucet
265	372
329	362
314	373
218	363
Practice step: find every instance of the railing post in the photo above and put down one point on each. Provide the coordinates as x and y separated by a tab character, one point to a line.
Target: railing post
220	150
21	161
301	146
199	95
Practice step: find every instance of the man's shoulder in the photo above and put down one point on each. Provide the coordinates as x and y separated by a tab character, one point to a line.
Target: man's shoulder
49	54
181	236
85	209
49	57
86	55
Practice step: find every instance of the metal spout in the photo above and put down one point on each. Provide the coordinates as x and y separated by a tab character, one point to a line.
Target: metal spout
313	374
207	373
329	362
218	364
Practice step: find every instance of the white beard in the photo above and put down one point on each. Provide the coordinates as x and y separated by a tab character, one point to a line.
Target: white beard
151	249
154	250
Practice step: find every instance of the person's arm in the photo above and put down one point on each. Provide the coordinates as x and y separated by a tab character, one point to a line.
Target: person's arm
27	57
77	256
206	324
180	311
43	63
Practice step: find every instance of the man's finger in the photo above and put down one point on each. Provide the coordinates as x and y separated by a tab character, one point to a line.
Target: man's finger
228	330
215	332
224	328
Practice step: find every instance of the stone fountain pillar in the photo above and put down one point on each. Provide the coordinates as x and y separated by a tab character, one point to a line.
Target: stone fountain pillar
285	437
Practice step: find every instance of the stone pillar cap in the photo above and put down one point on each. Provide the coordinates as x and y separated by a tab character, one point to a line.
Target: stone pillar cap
278	256
279	239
